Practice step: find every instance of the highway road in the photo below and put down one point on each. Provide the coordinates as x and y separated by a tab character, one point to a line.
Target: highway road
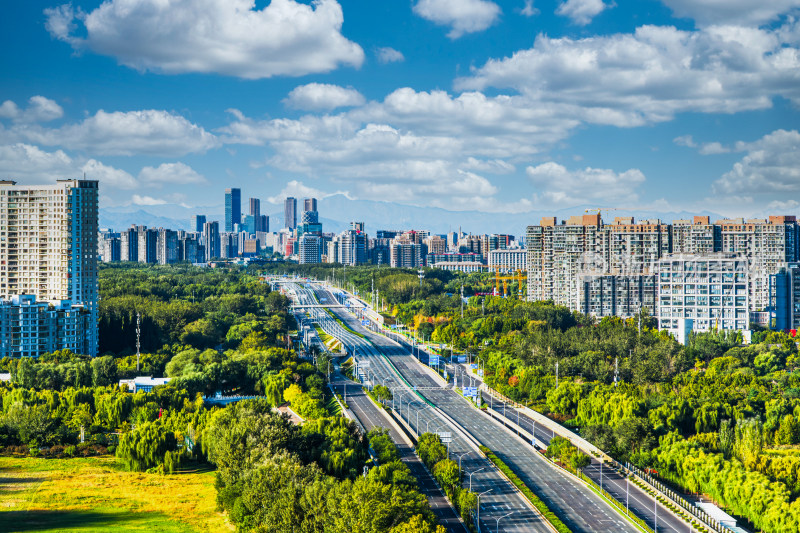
640	503
502	507
371	417
579	507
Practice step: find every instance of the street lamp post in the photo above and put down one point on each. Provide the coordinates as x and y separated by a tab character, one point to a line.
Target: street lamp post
497	528
459	459
470	477
479	506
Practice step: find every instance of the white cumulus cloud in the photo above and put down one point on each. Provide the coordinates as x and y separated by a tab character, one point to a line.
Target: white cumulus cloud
771	165
323	97
229	37
650	75
745	12
528	10
462	16
138	199
581	11
170	174
558	185
40	109
32	165
150	132
389	55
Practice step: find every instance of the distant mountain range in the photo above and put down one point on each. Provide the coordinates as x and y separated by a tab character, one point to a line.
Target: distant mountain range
337	211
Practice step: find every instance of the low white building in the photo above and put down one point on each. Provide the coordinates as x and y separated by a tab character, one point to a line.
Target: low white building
143	383
509	259
461	266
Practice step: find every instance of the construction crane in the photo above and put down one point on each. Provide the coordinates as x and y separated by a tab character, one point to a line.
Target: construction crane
597	210
505	279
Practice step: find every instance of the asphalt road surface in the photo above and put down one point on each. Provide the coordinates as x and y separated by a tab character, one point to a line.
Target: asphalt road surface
371	417
640	503
579	507
502	507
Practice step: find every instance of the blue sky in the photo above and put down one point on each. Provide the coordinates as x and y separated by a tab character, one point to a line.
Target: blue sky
464	104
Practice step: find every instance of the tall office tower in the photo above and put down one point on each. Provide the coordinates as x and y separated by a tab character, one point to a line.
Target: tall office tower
357	226
48	248
148	245
233	208
310	204
259	220
309	217
264	223
197	222
290	213
210	240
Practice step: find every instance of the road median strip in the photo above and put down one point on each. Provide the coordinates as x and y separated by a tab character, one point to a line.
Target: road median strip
537	502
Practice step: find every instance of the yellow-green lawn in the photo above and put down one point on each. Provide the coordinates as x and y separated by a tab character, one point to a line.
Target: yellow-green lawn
97	494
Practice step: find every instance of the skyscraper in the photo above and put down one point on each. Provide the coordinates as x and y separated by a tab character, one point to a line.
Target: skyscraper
197	223
233	208
310	215
290	213
48	247
255	207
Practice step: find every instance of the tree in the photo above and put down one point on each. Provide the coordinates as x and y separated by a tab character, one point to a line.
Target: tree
104	371
146	446
32	423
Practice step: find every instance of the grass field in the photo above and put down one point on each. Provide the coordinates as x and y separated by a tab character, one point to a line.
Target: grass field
96	494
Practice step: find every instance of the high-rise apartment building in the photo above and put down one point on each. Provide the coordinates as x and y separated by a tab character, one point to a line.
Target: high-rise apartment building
697	236
581	263
147	245
436	244
48	248
767	244
210	240
109	246
167	251
310	248
349	248
710	290
290	213
233	208
129	244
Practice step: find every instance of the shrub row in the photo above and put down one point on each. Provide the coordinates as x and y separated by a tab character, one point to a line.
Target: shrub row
549	515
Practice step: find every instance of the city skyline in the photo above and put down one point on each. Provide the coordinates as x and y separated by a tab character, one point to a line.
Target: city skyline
522	106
